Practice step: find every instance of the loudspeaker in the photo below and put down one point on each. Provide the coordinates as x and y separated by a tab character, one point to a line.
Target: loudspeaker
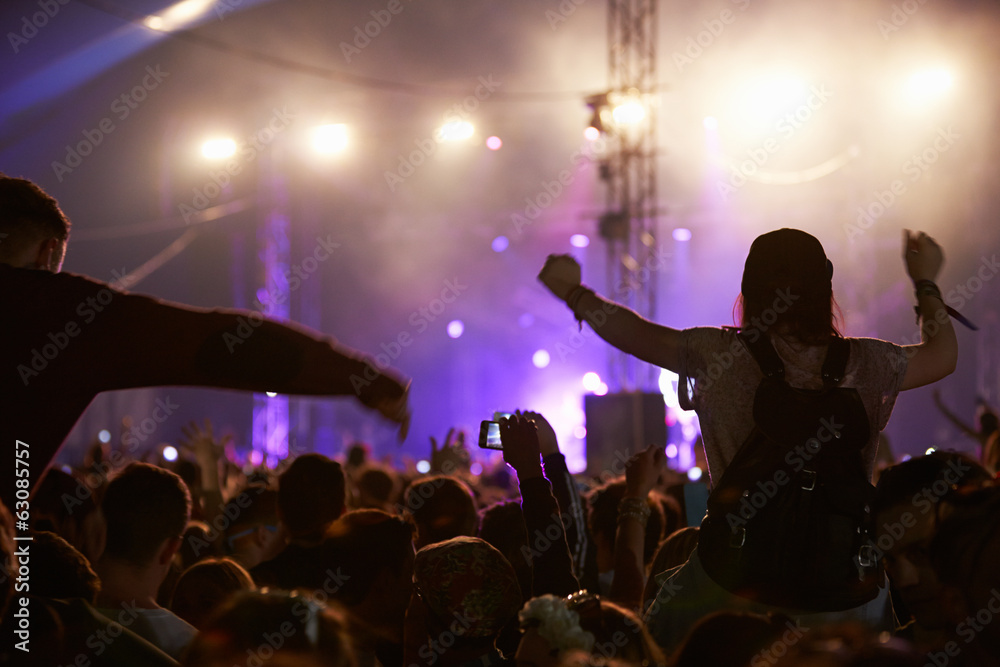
620	425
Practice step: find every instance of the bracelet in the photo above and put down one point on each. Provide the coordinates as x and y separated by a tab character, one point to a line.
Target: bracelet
634	508
927	288
573	301
930	288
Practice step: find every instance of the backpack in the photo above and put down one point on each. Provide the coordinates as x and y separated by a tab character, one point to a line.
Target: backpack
789	523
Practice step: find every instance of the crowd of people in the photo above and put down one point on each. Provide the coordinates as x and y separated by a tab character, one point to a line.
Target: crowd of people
349	562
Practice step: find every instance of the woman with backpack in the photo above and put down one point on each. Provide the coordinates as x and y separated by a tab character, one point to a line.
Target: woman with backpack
788	464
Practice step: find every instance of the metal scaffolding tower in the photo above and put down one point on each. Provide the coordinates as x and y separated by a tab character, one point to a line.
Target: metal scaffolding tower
627	114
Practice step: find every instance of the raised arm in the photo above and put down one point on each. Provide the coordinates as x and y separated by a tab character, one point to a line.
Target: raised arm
621	327
936	355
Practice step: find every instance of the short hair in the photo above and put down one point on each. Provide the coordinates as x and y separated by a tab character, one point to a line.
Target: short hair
255	505
204	586
144	506
318	633
68	574
899	483
376	484
311	494
443	507
28	213
363	544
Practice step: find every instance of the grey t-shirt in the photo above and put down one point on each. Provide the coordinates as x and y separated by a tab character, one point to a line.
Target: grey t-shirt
726	378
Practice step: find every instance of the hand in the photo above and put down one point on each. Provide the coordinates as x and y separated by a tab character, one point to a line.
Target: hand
395	409
561	274
643	471
922	255
201	443
519	438
547	442
453	457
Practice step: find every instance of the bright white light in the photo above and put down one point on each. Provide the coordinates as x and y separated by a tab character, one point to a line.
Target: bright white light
930	450
456	130
591	134
629	112
500	244
776	95
591	381
671	451
178	15
476	469
169	453
694	474
579	240
455	328
218	149
580	432
601	390
423	467
710	123
271	394
104	435
494	143
682	234
927	86
330	138
541	359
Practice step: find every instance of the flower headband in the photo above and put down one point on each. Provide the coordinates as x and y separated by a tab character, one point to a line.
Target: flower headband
558	625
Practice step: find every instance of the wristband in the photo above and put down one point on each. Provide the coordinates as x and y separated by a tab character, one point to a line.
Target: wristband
573	301
930	288
634	508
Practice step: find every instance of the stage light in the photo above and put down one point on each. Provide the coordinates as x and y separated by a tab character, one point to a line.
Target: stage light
330	138
456	130
629	112
500	244
455	328
930	450
256	457
580	432
271	394
928	85
671	451
591	381
476	469
579	240
710	123
423	467
682	234
591	134
104	435
170	453
218	149
601	390
494	143
178	15
694	474
541	359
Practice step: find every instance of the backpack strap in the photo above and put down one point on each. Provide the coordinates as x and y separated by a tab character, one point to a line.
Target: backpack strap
835	363
764	354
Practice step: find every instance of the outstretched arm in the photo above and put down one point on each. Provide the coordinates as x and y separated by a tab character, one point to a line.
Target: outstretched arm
936	355
621	327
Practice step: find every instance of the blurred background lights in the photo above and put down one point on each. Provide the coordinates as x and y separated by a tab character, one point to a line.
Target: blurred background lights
423	467
694	474
218	149
930	450
455	130
927	85
104	435
500	244
455	328
682	234
170	453
710	123
579	240
601	390
476	469
271	394
591	134
629	112
540	359
494	143
671	451
580	432
330	138
178	15
591	381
